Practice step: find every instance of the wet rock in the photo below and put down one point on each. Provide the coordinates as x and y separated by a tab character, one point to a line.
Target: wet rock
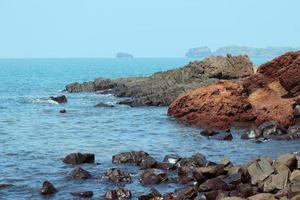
139	158
117	175
152	195
60	99
62	111
252	134
287	159
263	196
48	188
271	128
79	158
222	136
208	132
162	88
5	185
85	194
197	160
153	176
79	173
214	184
118	194
260	170
103	105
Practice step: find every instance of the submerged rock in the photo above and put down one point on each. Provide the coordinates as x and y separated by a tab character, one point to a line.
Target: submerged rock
208	132
103	105
79	158
268	95
48	188
162	88
85	194
118	194
59	99
62	111
79	173
222	136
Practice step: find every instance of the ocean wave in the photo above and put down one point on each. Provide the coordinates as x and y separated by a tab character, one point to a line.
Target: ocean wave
31	100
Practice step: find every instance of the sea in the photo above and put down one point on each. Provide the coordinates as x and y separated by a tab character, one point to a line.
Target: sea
35	137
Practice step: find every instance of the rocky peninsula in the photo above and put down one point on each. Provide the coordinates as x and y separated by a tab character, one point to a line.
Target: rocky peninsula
161	88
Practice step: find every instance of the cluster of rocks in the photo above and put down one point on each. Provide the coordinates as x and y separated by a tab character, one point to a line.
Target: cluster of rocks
161	88
266	131
196	177
271	94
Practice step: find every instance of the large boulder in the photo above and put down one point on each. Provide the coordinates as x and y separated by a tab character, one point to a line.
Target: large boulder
268	95
163	87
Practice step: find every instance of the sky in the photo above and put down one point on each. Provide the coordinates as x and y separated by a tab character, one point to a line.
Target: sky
154	28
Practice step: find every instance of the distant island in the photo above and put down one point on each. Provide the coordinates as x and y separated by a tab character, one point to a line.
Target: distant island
239	50
124	55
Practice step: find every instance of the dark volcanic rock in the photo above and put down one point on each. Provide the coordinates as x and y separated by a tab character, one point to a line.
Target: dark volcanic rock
268	95
85	194
162	88
79	173
48	188
60	99
118	194
79	158
117	176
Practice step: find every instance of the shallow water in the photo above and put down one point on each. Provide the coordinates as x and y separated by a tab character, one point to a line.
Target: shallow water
34	136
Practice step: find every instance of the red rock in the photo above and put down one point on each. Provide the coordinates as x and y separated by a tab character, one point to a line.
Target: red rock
269	95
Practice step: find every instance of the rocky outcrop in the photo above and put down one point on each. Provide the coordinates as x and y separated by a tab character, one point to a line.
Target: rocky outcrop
269	95
48	188
162	88
79	158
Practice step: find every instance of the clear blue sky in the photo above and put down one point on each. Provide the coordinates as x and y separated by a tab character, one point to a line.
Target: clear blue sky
154	28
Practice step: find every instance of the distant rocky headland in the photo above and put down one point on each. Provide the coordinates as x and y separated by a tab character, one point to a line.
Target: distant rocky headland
268	52
123	55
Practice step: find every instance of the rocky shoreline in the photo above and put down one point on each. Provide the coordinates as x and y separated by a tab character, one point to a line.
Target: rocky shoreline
161	88
195	177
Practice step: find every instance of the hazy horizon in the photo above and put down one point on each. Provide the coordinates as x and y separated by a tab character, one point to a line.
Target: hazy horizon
100	29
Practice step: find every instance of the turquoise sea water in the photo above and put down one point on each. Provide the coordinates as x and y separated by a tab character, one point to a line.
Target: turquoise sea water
34	136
